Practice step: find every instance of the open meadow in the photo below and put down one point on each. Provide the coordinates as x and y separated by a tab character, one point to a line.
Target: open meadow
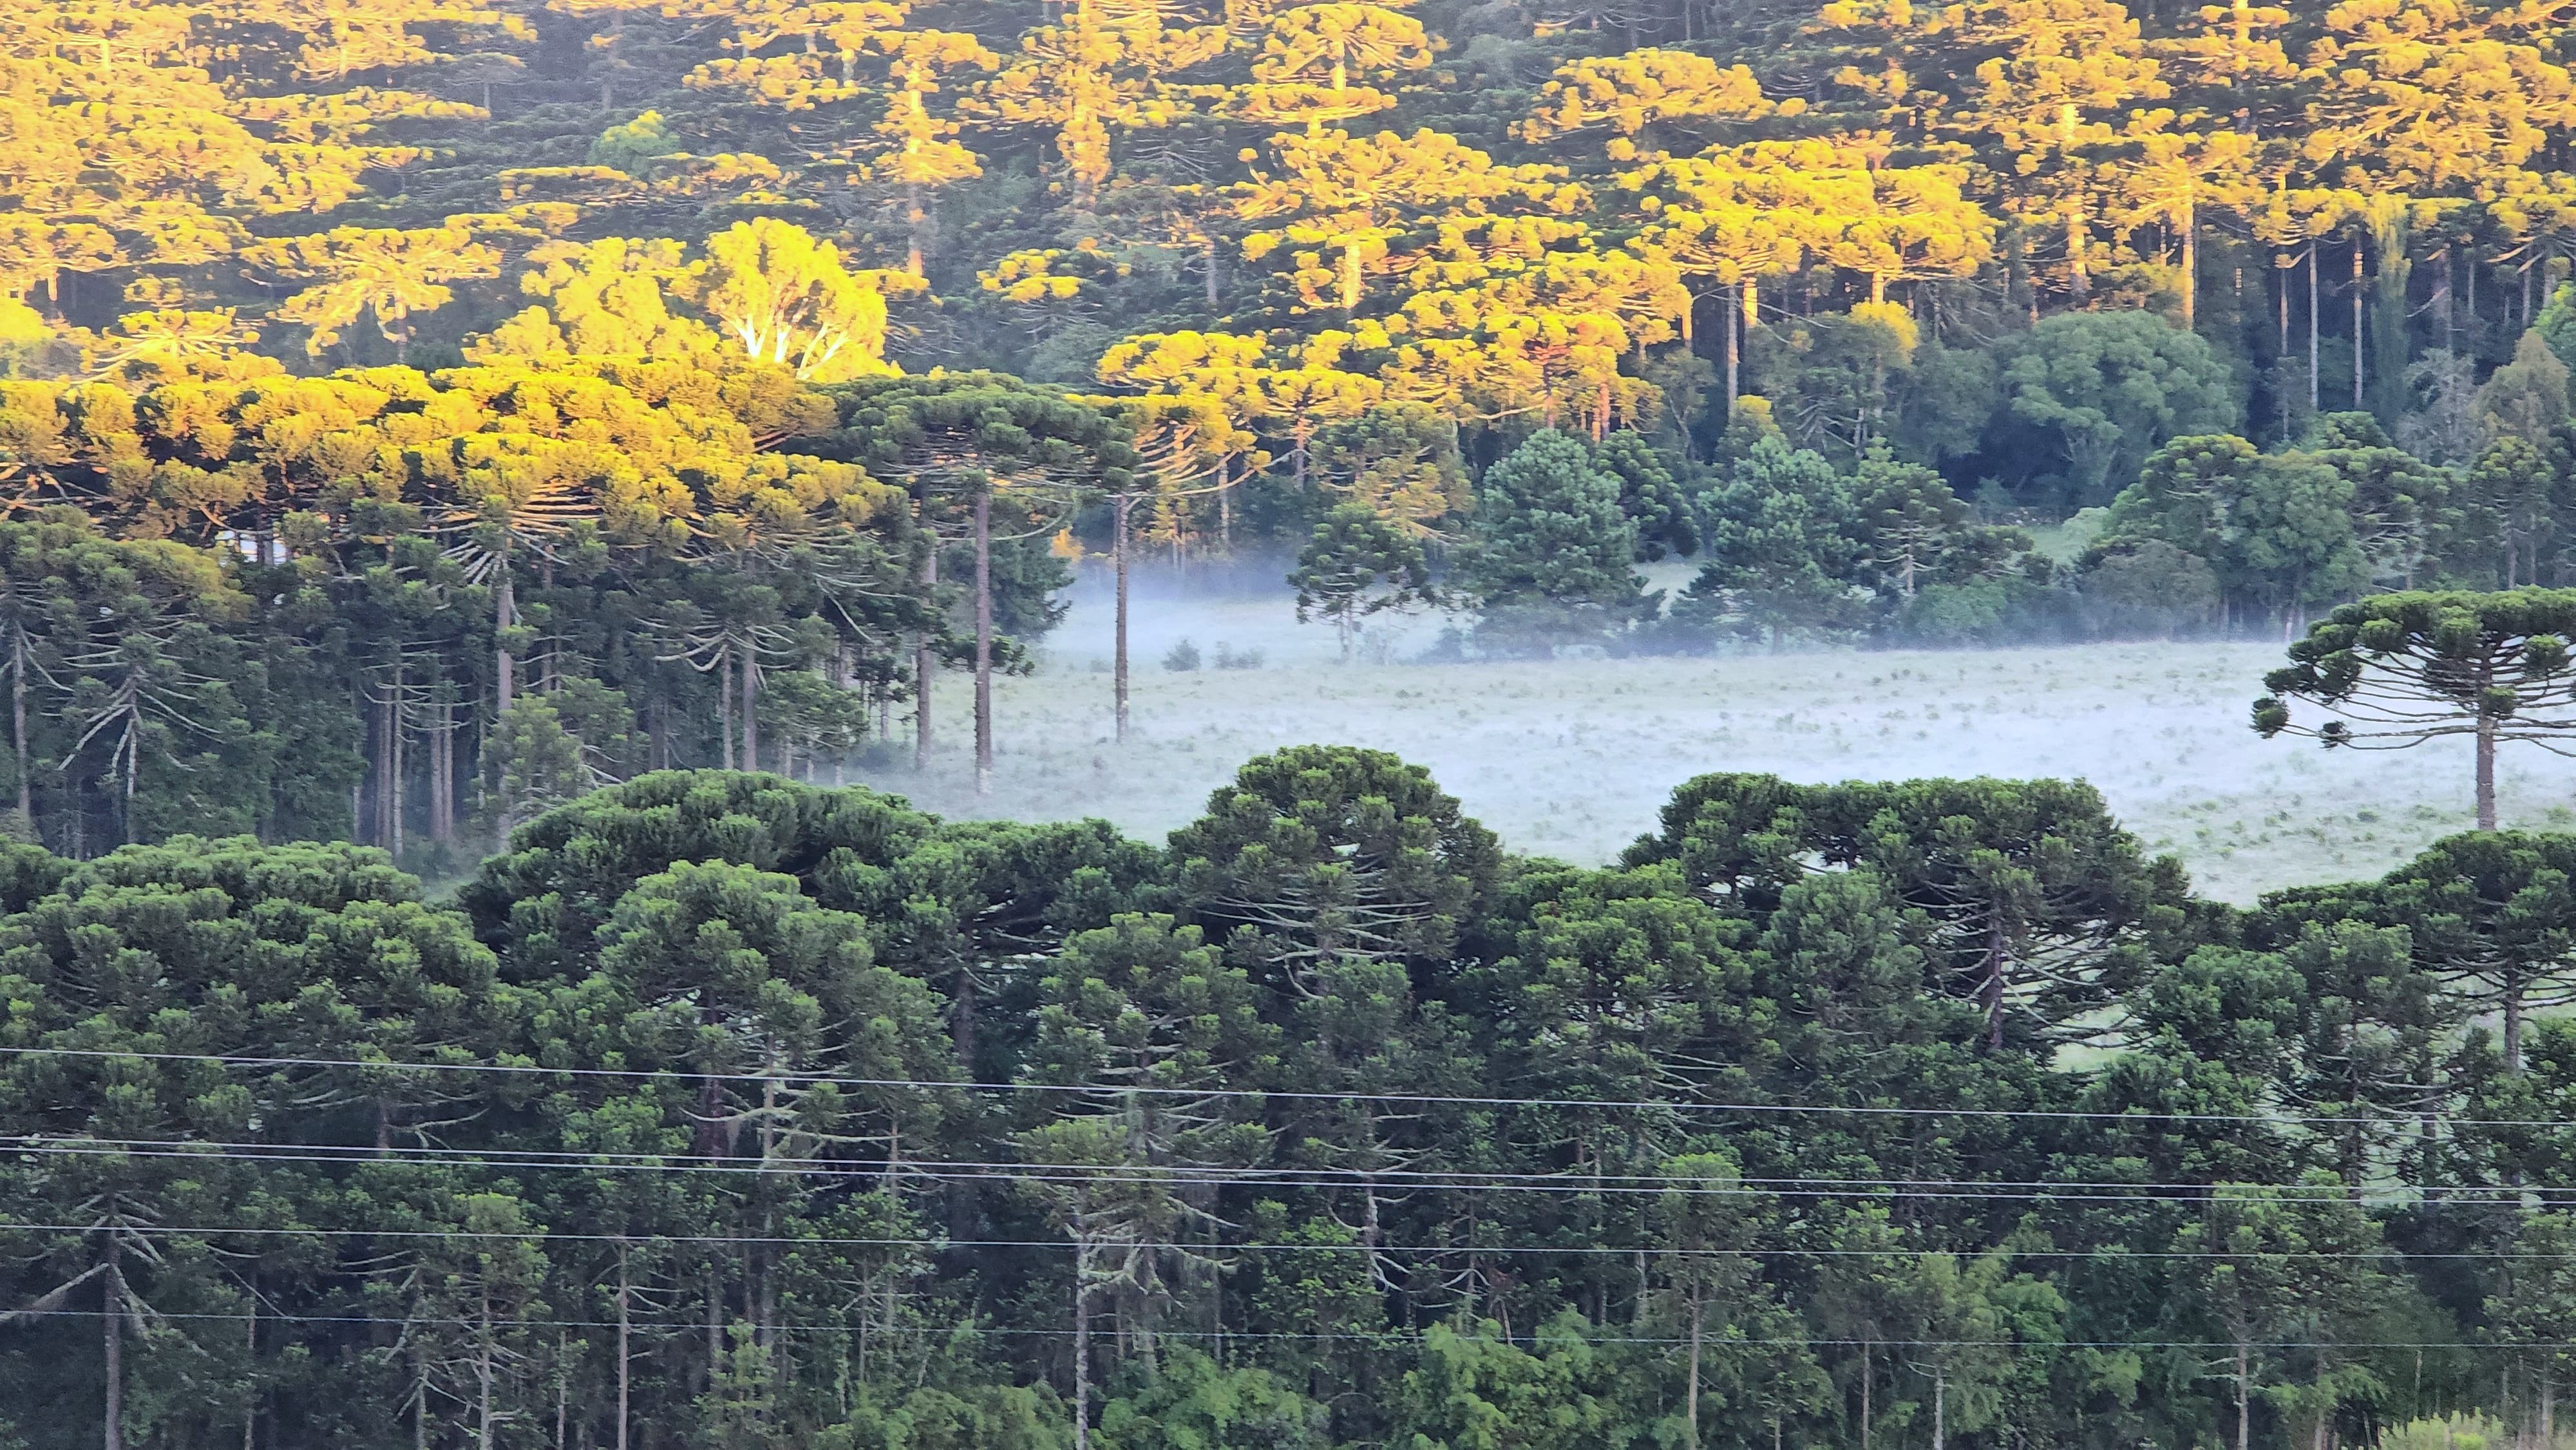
1572	758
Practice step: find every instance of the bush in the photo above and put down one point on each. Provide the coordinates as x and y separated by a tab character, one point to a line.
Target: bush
1182	657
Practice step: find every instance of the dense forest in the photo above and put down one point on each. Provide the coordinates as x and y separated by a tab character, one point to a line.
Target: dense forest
421	411
574	434
724	1110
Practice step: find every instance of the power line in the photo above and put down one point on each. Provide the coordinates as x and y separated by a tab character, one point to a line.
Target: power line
268	1317
2137	1116
1219	1175
1629	1251
1141	1175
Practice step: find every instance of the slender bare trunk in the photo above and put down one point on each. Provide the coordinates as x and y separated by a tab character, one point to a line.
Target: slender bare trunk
916	219
250	1360
2190	313
394	755
18	730
1734	370
1119	510
1690	1394
442	773
2281	295
625	1358
112	1327
2312	328
750	719
1225	508
1081	1346
2244	1396
2078	282
504	614
2486	773
2356	324
984	642
925	665
484	1374
1864	1395
724	707
1996	957
715	1323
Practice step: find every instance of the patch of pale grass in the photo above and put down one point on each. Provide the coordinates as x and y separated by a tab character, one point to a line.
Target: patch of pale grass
1572	758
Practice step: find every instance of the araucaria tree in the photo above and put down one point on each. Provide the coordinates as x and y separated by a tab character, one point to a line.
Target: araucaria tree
1356	567
1552	560
2396	670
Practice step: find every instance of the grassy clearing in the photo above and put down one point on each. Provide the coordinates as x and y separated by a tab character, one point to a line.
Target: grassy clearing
1573	758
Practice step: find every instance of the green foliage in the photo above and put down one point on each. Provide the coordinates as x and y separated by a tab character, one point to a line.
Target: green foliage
1194	1404
1552	557
1357	566
1795	547
743	1013
2097	392
2277	530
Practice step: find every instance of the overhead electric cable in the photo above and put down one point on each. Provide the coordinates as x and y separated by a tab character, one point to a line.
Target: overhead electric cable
2134	1115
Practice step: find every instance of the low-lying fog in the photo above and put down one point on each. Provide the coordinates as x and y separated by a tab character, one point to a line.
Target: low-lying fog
1573	758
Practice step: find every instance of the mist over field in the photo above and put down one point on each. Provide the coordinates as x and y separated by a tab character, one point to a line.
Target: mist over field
1572	758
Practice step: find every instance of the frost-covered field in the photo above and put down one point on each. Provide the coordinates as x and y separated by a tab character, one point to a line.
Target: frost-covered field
1573	758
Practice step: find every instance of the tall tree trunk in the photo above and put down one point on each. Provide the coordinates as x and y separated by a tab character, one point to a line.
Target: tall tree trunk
724	707
1734	371
2486	773
250	1361
112	1322
2078	282
1690	1393
1940	1380
984	642
2312	331
2281	294
625	1357
504	614
2356	324
1207	259
18	731
2244	1396
2450	304
394	801
916	219
381	802
1081	1343
925	665
1119	508
442	776
1864	1394
2190	320
750	710
484	1373
715	1322
1996	958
